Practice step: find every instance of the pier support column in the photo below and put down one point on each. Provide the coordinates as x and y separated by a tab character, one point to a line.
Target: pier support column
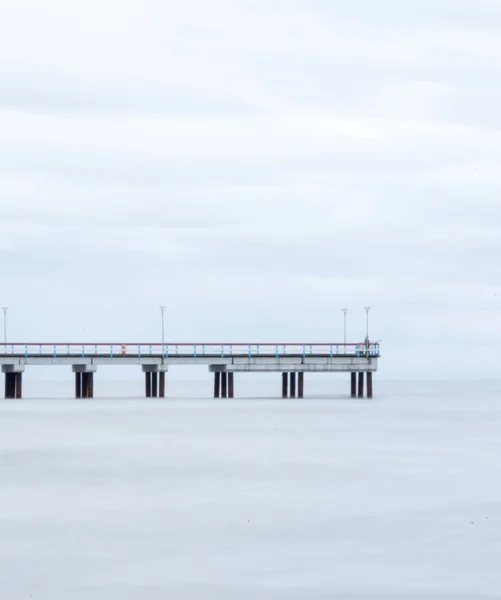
154	384
293	385
231	385
369	385
300	384
217	384
84	380
161	384
90	385
84	385
13	380
285	386
361	385
224	380
78	385
10	385
154	380
19	385
353	385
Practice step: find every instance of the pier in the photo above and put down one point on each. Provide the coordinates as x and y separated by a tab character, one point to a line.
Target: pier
224	360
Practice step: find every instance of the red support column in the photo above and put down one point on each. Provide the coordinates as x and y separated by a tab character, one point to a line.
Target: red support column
285	391
300	384
369	385
90	385
161	391
293	385
217	384
353	385
361	385
19	385
154	384
231	387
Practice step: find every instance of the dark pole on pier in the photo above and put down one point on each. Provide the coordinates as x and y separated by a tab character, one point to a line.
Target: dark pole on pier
300	384
285	392
361	385
217	384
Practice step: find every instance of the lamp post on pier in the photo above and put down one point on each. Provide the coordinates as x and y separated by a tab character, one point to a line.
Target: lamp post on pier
367	309
162	309
5	309
345	311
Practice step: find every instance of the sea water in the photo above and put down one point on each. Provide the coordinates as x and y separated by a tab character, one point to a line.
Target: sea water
126	498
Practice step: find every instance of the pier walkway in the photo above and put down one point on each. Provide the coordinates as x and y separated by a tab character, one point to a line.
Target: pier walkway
224	360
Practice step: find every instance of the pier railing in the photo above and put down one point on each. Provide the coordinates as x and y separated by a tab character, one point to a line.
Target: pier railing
188	350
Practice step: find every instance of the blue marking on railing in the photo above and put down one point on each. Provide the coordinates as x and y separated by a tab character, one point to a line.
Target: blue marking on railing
139	351
231	350
55	353
331	350
26	351
194	351
276	352
250	353
167	351
68	349
284	349
311	349
12	349
203	349
222	351
150	349
111	351
177	349
357	351
304	351
95	349
83	351
257	350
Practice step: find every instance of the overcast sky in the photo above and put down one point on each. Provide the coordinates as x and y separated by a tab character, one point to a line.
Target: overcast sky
255	166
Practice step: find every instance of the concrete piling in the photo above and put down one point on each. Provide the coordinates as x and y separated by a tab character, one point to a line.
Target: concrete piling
84	384
90	385
300	384
147	379
231	385
9	385
285	391
13	381
224	387
217	384
293	385
19	384
78	385
369	385
361	385
353	385
154	384
161	384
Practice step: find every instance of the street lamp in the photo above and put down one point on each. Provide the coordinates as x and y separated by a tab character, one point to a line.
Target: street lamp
162	308
345	310
5	309
367	309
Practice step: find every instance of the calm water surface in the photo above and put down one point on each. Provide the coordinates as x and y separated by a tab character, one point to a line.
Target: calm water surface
188	497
